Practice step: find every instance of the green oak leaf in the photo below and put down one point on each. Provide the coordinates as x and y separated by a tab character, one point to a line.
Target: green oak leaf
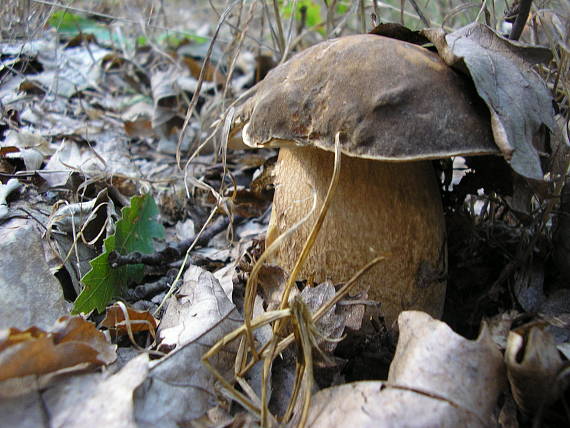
135	231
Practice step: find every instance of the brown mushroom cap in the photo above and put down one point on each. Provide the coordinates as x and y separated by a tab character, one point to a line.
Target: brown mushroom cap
391	99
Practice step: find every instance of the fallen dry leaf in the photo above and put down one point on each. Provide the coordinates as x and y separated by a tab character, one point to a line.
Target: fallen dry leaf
437	378
139	128
179	388
533	363
272	280
86	220
67	71
503	74
71	341
108	400
333	323
115	320
31	295
31	148
83	400
212	74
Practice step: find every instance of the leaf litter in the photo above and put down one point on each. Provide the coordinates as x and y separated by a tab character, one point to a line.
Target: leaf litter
103	122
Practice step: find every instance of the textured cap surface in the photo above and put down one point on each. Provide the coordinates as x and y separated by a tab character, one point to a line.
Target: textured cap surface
392	100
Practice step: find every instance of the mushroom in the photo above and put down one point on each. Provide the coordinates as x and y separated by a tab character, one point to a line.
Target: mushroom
396	106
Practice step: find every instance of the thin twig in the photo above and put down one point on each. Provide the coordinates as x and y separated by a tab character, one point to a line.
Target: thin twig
171	253
280	33
420	13
201	77
524	9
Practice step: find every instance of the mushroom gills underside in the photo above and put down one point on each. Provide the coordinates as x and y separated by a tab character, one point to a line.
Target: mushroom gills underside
378	207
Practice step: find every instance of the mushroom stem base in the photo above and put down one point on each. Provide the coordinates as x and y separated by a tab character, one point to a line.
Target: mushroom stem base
378	207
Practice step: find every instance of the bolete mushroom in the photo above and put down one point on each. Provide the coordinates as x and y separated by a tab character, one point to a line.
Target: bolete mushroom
396	106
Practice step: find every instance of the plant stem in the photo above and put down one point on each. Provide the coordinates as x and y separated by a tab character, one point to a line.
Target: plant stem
524	9
280	33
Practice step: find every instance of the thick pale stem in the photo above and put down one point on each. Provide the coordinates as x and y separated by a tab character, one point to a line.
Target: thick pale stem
378	207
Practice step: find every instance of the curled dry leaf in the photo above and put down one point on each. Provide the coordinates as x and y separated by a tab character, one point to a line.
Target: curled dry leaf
533	364
84	218
31	148
71	341
503	74
137	119
5	191
116	320
437	378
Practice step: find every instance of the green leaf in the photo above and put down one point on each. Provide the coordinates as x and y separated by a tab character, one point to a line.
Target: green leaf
342	7
173	40
313	12
135	231
71	24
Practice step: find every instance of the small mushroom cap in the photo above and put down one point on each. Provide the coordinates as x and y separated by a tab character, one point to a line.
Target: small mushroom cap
390	99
